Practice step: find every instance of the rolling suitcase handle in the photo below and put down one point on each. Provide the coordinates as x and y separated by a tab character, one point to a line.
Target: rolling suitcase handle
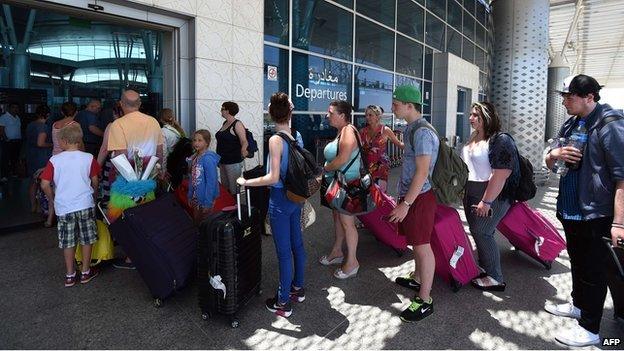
238	202
616	260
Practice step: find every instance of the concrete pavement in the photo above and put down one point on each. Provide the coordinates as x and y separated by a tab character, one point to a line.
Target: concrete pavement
115	310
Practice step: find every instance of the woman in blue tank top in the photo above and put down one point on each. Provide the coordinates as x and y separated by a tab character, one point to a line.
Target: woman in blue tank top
284	215
339	153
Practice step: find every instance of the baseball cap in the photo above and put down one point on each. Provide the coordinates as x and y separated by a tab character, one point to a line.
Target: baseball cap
408	93
580	84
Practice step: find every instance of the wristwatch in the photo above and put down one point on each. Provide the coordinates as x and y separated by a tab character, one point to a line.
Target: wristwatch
407	203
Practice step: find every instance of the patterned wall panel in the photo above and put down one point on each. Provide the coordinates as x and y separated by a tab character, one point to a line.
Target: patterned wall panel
519	75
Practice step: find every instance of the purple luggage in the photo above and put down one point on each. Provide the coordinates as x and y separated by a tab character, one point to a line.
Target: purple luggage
383	230
161	239
451	248
529	231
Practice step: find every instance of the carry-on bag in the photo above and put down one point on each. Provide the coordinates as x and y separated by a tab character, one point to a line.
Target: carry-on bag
229	260
161	240
383	230
259	194
530	232
451	248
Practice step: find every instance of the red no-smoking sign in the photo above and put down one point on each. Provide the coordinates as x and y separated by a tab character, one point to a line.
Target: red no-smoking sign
271	72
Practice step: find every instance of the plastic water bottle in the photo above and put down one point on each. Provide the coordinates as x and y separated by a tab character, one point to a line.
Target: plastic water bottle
578	139
560	165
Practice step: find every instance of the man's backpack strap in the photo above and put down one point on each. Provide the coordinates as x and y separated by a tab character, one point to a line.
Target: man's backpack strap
607	120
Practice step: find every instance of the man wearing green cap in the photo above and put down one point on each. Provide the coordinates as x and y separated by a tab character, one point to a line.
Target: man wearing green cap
417	202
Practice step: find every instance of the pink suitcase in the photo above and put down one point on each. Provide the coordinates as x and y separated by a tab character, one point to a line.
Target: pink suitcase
383	230
455	262
528	230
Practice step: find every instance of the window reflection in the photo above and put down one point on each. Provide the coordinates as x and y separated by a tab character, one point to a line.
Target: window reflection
410	19
382	11
276	15
409	58
438	7
453	42
374	44
434	35
275	72
469	26
372	87
321	27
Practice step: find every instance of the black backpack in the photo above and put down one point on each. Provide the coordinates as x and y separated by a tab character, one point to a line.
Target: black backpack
526	188
300	179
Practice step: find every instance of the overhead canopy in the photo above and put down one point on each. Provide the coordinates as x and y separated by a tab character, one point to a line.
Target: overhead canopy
594	30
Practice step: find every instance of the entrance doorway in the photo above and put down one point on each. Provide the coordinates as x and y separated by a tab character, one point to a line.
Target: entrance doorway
50	54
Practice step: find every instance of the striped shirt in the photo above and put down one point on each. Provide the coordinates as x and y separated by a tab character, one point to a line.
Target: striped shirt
568	206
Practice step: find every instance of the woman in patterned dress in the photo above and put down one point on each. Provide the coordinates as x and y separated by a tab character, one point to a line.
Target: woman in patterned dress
375	137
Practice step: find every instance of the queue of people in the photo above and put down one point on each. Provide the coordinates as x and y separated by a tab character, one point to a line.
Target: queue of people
588	213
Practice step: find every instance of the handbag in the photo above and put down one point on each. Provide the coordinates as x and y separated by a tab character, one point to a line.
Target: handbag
103	249
356	197
308	217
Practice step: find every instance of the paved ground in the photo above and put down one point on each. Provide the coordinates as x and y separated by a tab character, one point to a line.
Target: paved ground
115	310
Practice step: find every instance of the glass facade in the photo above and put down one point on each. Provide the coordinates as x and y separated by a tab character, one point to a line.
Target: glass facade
359	50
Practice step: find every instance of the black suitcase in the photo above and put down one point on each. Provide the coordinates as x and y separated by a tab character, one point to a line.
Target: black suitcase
259	194
230	247
161	240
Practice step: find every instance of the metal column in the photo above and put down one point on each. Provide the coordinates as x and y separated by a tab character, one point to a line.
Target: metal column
519	74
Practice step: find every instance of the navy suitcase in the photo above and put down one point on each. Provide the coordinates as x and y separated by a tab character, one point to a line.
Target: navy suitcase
161	240
229	253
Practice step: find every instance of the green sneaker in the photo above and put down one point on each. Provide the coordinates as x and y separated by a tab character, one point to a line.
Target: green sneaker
408	282
417	310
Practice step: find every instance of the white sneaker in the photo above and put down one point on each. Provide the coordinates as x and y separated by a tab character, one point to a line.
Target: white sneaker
578	336
564	310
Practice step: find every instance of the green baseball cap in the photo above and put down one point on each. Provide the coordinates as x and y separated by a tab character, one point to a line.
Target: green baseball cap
408	93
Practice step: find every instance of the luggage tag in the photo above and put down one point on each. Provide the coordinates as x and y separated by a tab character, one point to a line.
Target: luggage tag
459	252
246	231
539	241
217	284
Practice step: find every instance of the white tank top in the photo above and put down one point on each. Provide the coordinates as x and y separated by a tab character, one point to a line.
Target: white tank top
478	161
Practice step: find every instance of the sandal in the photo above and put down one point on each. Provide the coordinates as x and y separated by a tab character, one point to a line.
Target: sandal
340	274
325	262
488	283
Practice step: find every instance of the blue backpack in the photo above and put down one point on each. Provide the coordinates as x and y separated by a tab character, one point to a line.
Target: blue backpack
252	144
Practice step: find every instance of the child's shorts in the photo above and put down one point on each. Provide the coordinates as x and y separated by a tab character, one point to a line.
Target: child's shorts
76	227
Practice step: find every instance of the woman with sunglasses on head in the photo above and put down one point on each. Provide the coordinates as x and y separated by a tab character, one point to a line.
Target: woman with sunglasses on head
494	170
375	137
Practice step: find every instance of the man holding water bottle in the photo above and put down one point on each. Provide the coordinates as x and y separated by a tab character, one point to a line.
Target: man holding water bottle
590	205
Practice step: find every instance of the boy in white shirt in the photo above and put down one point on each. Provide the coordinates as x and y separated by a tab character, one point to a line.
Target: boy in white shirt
75	176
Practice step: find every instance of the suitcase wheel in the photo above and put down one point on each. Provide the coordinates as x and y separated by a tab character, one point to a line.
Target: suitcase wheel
205	316
158	302
234	322
455	285
547	264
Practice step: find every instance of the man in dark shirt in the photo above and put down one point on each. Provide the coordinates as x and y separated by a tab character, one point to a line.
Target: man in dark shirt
92	134
590	206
